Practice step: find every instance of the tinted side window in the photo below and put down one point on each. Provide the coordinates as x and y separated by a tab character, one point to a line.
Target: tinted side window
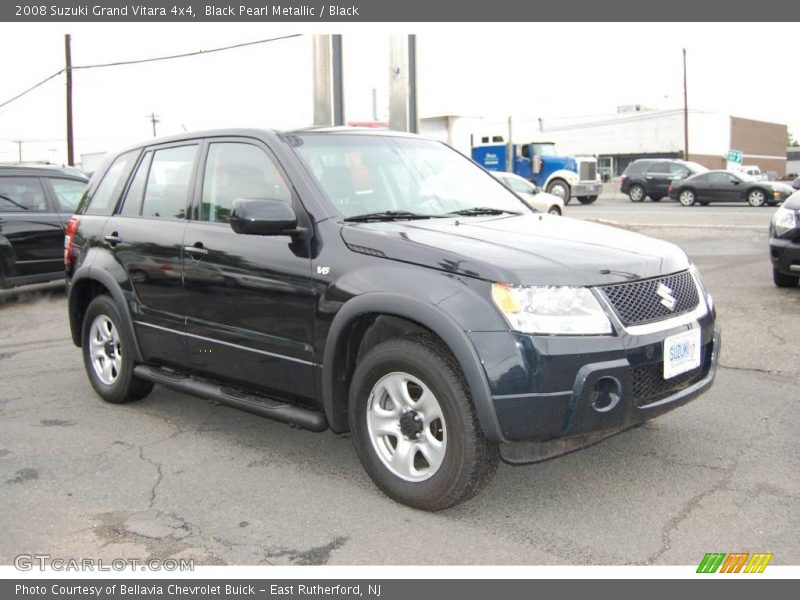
168	183
659	167
133	199
107	193
22	194
720	178
68	193
636	168
238	170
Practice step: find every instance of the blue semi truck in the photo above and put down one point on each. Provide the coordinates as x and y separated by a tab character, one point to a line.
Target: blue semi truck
565	176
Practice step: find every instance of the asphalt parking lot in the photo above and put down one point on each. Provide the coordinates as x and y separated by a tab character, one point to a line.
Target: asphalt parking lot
175	476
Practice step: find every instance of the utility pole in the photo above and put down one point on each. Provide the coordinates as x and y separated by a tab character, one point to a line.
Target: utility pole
68	71
153	117
685	112
328	81
403	83
19	149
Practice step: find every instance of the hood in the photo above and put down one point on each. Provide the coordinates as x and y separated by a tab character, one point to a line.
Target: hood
780	187
536	249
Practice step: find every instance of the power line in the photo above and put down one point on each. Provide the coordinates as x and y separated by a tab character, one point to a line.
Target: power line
147	60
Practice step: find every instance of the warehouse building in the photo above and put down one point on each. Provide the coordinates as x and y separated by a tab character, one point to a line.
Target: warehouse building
637	132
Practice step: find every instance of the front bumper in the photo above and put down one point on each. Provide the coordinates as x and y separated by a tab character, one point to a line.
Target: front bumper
587	188
545	388
785	255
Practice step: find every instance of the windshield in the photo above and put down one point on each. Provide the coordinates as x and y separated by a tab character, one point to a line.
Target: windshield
365	174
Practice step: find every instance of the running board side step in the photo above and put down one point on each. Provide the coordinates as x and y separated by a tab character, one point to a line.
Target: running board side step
264	407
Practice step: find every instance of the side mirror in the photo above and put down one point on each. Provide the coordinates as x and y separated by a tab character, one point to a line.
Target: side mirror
263	216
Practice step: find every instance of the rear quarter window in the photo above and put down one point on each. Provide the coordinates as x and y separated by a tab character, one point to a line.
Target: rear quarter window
107	193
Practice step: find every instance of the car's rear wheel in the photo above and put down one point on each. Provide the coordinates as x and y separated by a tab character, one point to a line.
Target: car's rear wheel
107	354
783	280
636	193
756	198
687	197
414	427
554	210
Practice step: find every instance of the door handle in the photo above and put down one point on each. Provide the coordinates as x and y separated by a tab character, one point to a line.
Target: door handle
196	249
113	239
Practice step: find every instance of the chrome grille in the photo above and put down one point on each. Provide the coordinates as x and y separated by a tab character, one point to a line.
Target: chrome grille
638	302
588	170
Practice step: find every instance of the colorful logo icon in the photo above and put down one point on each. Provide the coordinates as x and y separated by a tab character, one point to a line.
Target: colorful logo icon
734	562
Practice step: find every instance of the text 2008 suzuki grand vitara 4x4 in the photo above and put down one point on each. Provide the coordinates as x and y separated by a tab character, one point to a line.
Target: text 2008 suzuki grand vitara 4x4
381	284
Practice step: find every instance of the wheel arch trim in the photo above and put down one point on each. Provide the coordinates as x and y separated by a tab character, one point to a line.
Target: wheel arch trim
429	316
87	274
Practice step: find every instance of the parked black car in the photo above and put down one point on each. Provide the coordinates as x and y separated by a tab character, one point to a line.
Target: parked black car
784	243
651	178
727	186
796	183
381	284
35	205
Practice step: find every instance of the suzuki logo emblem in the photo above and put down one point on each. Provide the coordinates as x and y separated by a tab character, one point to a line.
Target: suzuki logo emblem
667	299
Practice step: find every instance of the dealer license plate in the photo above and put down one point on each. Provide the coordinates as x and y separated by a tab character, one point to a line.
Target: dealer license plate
681	353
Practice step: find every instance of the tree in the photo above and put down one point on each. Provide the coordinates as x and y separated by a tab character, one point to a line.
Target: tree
790	141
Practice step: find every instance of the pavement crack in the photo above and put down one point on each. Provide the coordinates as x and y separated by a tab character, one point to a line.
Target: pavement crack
683	513
159	477
757	370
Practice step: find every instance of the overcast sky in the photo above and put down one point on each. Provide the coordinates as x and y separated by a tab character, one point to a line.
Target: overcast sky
528	70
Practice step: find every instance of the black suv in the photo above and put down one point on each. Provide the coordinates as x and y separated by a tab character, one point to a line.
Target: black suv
35	205
784	243
651	178
381	284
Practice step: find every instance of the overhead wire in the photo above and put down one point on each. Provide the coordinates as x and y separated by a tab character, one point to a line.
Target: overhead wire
146	60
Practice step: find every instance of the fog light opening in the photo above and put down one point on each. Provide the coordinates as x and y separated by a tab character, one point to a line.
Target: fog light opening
606	394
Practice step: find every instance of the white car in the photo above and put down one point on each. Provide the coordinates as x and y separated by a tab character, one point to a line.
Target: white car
752	172
530	194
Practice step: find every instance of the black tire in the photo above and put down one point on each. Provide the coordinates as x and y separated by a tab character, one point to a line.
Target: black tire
586	199
469	461
783	280
687	197
560	188
637	193
757	198
704	203
124	387
657	199
554	210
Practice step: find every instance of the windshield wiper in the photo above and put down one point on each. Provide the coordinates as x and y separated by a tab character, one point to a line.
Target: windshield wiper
482	210
389	215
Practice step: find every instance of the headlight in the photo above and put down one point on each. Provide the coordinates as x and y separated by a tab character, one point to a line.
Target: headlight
784	220
551	310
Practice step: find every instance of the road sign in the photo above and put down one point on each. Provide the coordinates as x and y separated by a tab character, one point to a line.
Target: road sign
735	156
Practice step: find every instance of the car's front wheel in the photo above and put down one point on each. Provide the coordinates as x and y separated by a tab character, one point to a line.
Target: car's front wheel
107	354
687	197
414	427
554	210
